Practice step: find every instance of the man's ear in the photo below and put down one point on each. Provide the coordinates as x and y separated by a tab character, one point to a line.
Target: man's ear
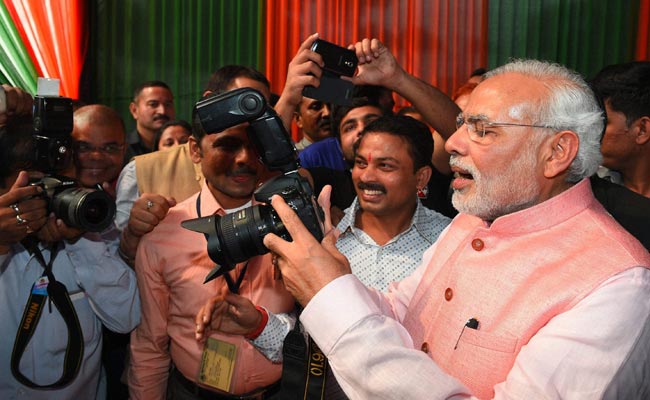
133	108
195	150
422	177
298	119
561	153
643	136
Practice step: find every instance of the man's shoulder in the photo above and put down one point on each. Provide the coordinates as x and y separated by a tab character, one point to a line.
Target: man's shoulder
630	209
322	145
133	137
429	222
324	153
181	152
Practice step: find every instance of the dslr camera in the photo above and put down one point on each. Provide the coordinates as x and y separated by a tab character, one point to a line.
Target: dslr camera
89	209
237	237
338	61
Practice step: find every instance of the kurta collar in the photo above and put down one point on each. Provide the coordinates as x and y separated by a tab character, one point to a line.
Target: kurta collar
547	214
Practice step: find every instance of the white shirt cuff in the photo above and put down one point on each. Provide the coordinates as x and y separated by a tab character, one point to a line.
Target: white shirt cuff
338	306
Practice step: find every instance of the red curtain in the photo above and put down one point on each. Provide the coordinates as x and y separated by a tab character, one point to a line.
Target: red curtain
439	41
643	36
54	34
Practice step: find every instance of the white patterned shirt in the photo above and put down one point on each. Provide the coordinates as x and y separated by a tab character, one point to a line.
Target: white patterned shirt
376	266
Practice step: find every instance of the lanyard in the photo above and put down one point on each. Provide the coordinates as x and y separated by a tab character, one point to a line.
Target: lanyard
58	294
233	286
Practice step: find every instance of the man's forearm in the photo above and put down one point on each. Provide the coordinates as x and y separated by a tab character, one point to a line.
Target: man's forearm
436	107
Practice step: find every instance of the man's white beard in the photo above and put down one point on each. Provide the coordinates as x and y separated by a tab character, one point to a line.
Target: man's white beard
499	193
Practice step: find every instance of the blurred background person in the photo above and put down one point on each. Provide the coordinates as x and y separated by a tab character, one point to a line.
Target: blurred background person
172	133
152	106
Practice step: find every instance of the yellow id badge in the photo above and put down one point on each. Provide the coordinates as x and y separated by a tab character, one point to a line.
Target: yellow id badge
217	364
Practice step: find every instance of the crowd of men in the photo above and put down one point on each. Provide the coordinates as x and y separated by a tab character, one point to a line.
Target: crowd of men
494	247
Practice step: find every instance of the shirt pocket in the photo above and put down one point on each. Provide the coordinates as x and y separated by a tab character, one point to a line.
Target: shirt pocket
53	332
483	359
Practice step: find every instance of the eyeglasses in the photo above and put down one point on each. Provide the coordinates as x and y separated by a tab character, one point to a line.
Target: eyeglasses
85	148
476	127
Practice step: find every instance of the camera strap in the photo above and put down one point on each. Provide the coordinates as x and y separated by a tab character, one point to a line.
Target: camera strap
58	294
304	367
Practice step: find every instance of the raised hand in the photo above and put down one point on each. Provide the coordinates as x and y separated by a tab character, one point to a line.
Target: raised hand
227	313
377	65
304	70
22	211
305	264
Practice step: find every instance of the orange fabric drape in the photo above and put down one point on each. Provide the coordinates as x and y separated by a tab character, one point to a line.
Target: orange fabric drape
439	41
643	35
54	34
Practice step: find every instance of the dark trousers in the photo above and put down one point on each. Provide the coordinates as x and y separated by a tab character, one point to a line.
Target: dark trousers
181	388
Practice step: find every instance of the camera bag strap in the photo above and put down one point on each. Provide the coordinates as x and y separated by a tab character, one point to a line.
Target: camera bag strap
58	294
304	367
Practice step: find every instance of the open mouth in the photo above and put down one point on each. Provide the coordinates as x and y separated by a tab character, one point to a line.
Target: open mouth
463	175
462	178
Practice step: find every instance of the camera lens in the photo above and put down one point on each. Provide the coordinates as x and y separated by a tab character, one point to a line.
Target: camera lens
88	209
240	235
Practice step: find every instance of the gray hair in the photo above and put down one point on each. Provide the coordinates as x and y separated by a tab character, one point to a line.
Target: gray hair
571	105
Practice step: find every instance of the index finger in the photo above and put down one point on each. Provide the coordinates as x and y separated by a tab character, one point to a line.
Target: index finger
292	224
308	42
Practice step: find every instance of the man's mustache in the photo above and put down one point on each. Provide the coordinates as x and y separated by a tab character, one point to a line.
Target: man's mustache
241	171
162	117
371	186
325	124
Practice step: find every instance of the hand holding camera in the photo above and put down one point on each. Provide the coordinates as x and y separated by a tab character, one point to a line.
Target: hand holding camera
22	211
377	66
304	70
337	62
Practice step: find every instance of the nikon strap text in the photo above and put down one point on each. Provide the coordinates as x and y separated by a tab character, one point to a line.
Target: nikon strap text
58	295
304	370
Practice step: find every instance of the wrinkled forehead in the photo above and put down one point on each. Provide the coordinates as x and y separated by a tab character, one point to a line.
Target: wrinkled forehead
506	97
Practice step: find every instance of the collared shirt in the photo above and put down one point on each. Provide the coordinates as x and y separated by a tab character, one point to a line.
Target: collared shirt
303	143
377	266
103	290
595	348
135	146
171	265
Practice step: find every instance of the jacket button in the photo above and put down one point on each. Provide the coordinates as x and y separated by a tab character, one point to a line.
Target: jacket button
449	294
477	244
425	347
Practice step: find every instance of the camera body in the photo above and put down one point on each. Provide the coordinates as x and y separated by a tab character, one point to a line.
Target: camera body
239	236
338	61
52	120
88	209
